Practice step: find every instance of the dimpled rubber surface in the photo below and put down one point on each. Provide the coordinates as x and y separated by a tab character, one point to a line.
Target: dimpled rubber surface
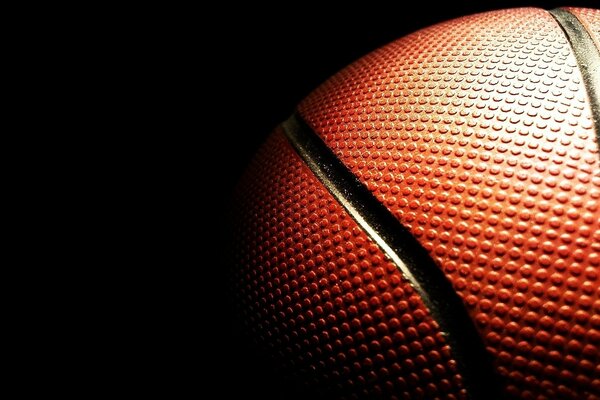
477	135
323	298
590	18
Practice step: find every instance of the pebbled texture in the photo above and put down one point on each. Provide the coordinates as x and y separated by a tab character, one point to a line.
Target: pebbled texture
318	294
477	135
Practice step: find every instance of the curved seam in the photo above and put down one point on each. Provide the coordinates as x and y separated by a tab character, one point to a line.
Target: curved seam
587	56
402	248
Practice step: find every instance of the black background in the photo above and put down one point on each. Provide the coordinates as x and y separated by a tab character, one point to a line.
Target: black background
262	63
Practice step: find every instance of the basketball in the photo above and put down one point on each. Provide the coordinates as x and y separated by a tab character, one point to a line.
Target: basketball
426	224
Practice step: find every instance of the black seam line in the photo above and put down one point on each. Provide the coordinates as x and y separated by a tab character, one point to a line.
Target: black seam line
417	266
588	59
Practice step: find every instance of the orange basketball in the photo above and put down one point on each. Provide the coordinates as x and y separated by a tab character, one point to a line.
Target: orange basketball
427	224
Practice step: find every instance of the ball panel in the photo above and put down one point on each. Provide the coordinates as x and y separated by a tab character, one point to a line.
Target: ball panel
323	298
477	135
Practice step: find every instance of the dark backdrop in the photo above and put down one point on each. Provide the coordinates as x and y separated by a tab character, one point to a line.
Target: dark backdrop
264	63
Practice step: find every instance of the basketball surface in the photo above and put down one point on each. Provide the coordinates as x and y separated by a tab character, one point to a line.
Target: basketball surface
427	224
